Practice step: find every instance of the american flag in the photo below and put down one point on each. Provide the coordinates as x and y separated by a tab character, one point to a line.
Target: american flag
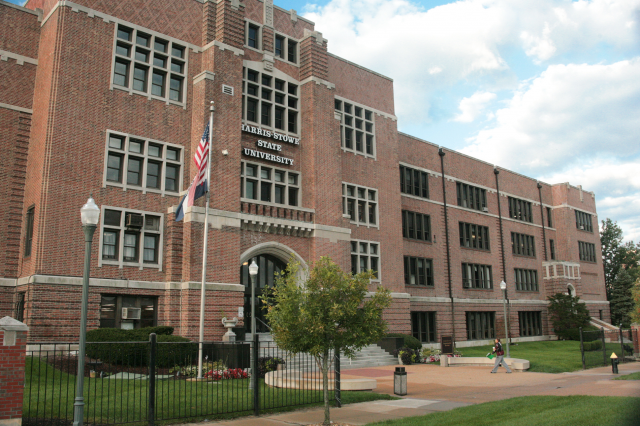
202	157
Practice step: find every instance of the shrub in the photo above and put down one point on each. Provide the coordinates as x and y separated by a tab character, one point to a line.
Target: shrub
120	335
268	363
589	334
409	341
175	350
407	355
592	346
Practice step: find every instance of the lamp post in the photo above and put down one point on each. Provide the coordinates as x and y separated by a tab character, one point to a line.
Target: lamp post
503	286
253	271
89	214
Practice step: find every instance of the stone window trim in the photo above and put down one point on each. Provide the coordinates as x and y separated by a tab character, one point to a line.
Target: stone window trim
526	280
260	48
121	230
272	101
124	153
367	127
290	184
286	47
372	251
167	70
357	200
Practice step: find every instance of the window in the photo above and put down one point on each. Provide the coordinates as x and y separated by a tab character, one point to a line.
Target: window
526	279
416	226
357	129
270	185
552	249
28	234
418	271
522	245
360	203
583	221
270	101
253	36
141	311
520	210
549	218
423	326
143	63
286	49
587	251
137	163
20	304
365	255
292	51
474	236
414	182
471	197
131	238
481	325
476	276
530	323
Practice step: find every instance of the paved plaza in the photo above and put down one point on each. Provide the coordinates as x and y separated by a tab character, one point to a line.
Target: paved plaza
433	388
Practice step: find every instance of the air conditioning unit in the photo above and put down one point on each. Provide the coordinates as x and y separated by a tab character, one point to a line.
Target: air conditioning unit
582	227
485	209
134	220
130	313
466	284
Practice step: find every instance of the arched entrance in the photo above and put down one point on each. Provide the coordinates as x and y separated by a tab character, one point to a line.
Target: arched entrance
268	265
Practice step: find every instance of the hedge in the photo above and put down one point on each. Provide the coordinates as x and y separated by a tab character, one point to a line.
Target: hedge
409	341
589	334
592	346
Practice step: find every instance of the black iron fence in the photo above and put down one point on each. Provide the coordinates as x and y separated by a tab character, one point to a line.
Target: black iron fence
148	382
593	348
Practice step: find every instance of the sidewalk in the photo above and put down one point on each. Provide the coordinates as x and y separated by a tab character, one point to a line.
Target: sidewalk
432	388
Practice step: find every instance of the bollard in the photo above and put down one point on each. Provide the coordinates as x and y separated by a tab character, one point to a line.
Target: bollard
400	381
614	363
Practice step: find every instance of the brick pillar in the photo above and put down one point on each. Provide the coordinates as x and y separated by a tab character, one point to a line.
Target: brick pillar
13	335
635	335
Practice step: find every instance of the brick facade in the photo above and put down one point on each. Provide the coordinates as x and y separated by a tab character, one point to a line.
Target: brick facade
63	103
13	344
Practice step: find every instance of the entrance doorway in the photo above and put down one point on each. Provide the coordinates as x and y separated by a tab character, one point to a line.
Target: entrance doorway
268	266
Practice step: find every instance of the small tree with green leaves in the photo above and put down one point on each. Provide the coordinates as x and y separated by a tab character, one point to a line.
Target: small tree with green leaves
567	312
326	310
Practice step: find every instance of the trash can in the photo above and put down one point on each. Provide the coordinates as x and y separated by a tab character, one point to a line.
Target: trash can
400	381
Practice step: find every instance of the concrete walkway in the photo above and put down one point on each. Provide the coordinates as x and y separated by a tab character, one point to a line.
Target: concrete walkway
432	388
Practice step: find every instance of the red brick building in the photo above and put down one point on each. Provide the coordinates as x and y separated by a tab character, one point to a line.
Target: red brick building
111	98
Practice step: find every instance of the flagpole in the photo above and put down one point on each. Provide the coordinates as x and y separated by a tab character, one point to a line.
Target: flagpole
204	244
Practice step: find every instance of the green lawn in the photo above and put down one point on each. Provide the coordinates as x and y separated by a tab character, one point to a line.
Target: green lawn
547	357
536	411
632	376
49	394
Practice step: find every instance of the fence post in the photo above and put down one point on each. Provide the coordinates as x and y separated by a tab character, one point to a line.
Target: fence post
153	347
255	375
12	365
621	344
336	378
584	367
604	347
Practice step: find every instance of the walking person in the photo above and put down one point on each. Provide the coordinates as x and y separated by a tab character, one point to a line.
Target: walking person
497	349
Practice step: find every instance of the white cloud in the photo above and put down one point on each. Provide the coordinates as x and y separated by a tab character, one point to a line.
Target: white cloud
472	107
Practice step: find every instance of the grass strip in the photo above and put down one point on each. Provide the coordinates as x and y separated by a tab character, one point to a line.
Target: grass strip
632	376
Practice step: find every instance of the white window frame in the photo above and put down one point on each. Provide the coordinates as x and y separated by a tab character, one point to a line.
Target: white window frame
369	255
367	201
145	156
343	126
121	229
258	178
167	70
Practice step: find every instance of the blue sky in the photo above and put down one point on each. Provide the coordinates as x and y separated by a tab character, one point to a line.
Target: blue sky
546	88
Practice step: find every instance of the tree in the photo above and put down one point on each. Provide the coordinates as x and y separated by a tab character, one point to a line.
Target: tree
621	300
567	312
635	313
326	311
617	255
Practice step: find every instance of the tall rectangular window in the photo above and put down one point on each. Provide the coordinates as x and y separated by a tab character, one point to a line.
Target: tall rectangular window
253	36
292	51
481	325
360	203
357	130
414	182
523	245
520	210
365	255
418	271
552	249
530	323
549	217
474	236
280	46
423	326
476	276
143	63
128	156
28	234
269	185
416	226
20	306
584	221
587	251
471	197
526	279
